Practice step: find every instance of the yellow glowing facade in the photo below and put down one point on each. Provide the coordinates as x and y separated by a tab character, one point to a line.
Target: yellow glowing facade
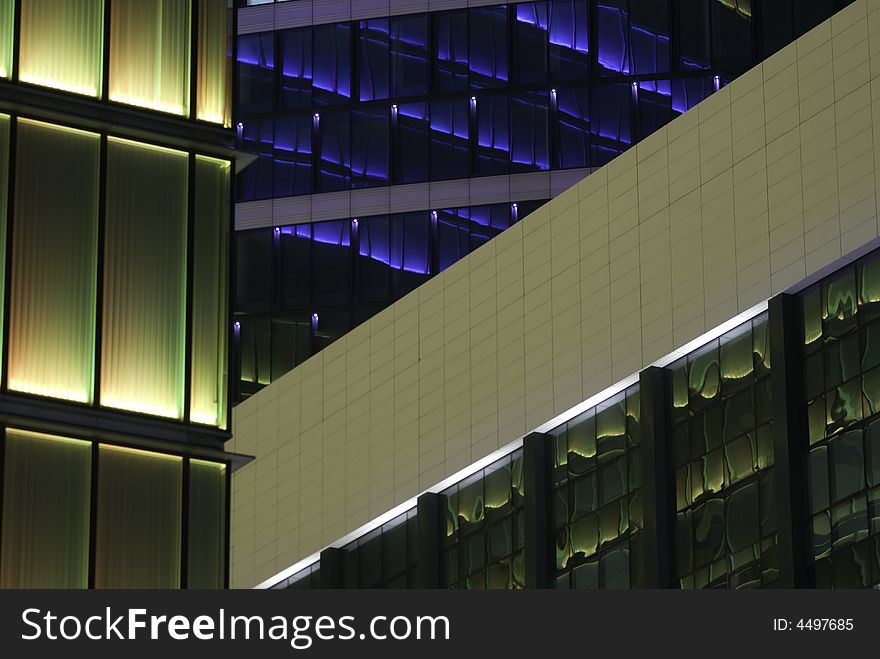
210	292
4	195
54	262
214	98
62	44
144	297
150	54
7	30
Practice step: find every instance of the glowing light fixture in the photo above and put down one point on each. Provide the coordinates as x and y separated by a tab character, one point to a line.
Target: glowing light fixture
7	19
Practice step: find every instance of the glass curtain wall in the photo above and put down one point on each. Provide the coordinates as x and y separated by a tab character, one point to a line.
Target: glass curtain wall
214	74
144	297
46	494
54	262
62	44
7	29
138	519
206	541
150	54
4	197
210	306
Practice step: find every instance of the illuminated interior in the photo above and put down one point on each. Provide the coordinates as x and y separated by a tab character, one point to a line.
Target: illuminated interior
210	292
149	54
62	44
54	262
142	365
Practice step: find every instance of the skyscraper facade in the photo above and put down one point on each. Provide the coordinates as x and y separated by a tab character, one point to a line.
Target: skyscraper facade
115	207
662	377
394	138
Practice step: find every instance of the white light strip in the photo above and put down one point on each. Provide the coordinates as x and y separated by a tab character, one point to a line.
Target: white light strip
558	420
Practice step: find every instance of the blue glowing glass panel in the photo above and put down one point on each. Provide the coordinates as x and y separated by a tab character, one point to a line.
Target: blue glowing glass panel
410	256
331	263
256	73
413	149
573	105
453	236
493	135
531	42
331	63
488	46
649	36
611	122
451	48
530	148
373	50
449	138
255	181
409	55
293	156
335	137
613	36
686	93
568	35
693	34
369	147
374	254
296	68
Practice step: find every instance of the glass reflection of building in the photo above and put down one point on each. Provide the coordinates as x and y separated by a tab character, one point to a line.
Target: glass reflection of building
115	200
489	102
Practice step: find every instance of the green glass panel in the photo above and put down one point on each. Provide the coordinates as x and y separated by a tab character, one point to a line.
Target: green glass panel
704	377
210	305
848	464
812	318
737	364
872	444
4	199
498	485
761	345
713	471
138	519
149	54
816	420
214	67
142	366
871	389
62	44
869	284
765	447
206	542
471	510
839	313
582	444
46	491
7	28
54	262
679	390
739	459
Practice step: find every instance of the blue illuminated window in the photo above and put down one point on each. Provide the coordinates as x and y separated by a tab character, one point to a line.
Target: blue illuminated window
296	68
488	46
335	139
449	138
293	156
413	143
295	266
410	255
613	36
409	55
493	135
374	258
531	41
451	47
649	36
253	265
331	63
453	236
369	147
573	105
610	121
568	32
256	73
373	51
331	262
687	92
529	143
255	180
655	106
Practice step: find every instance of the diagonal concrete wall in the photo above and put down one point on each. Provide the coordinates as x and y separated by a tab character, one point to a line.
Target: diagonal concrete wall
763	184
